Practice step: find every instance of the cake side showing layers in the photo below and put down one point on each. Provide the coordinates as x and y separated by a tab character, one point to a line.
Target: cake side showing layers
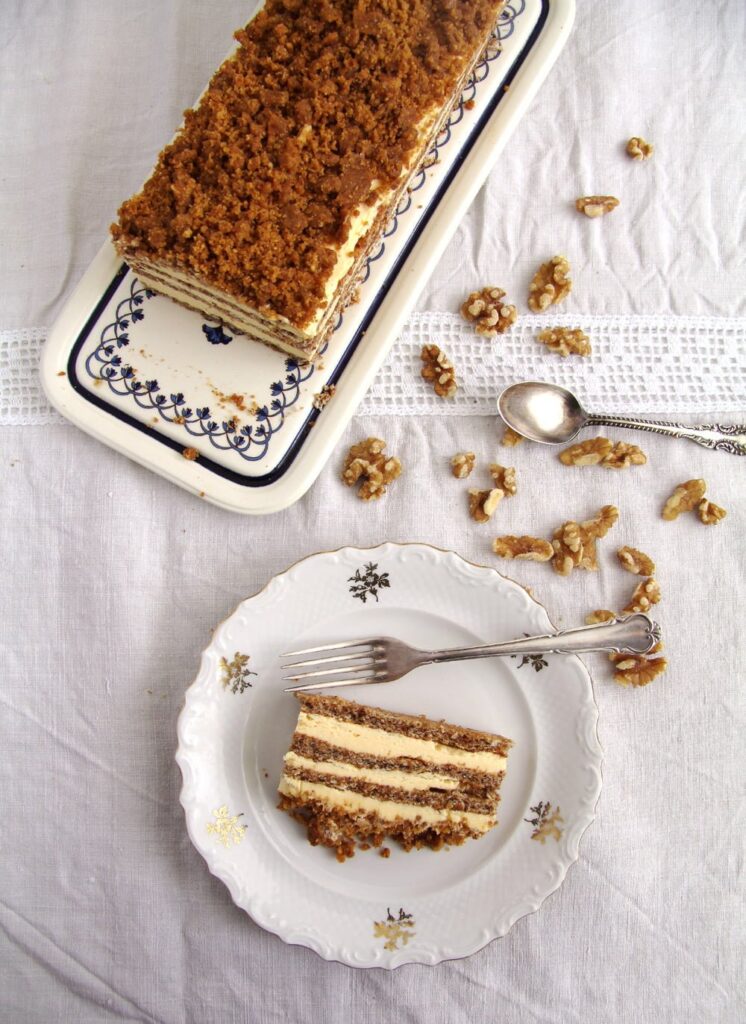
265	205
357	773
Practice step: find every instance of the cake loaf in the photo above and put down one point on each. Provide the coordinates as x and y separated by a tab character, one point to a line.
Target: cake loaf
263	209
358	773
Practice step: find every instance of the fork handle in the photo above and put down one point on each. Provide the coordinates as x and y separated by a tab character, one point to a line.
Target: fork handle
635	634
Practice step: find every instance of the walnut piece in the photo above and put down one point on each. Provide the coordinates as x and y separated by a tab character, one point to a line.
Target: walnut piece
636	669
487	311
566	341
710	513
600	525
504	478
190	454
551	284
596	206
533	549
510	438
366	461
482	504
639	149
636	561
439	370
575	543
623	455
646	594
599	451
684	499
600	615
462	464
323	397
586	453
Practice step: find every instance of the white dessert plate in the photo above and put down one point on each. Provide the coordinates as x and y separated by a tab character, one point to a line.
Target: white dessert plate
154	380
418	907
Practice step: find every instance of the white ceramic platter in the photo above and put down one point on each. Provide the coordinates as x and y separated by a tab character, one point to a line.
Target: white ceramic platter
418	907
152	379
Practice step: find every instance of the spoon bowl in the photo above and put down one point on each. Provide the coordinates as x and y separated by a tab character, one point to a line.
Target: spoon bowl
542	412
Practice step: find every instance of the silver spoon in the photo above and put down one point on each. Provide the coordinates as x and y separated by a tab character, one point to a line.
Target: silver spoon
553	415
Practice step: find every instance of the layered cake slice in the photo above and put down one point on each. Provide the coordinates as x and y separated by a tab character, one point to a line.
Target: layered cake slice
263	209
358	774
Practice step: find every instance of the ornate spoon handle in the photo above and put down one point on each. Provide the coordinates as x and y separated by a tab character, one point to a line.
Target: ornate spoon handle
723	437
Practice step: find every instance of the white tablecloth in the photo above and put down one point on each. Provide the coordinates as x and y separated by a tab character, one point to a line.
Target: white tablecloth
113	579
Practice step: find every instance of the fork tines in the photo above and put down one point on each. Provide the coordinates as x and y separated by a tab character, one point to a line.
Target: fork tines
352	661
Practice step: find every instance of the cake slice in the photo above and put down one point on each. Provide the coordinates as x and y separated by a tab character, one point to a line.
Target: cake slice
357	773
263	209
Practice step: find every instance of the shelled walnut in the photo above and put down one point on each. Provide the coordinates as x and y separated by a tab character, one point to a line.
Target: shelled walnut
586	453
510	438
596	206
482	504
603	521
636	669
462	464
322	398
600	615
684	499
551	284
488	312
575	543
639	149
710	513
504	478
366	461
533	549
623	455
566	341
636	561
439	370
599	451
645	595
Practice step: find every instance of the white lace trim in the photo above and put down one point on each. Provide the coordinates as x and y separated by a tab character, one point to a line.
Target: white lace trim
670	365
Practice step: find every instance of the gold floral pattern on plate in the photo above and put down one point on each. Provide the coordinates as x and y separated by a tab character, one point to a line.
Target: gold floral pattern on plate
395	930
235	674
545	822
227	827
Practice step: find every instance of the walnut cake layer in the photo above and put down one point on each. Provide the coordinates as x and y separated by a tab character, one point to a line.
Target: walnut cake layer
263	209
358	774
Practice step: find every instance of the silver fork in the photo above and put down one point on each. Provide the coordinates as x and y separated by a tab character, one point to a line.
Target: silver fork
382	659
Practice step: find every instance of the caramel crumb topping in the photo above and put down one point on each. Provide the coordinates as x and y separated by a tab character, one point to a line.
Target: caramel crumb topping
316	113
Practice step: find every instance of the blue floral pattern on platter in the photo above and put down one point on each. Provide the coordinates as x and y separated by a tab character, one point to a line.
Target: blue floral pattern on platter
251	441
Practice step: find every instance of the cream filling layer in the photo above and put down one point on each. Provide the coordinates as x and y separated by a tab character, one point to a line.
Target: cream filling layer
388	810
376	776
363	739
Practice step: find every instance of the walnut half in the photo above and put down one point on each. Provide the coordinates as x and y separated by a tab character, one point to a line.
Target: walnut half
439	370
575	543
710	513
487	311
366	461
684	499
551	284
462	464
504	478
586	453
596	206
510	438
600	615
533	549
636	561
482	504
636	669
566	341
638	149
645	595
